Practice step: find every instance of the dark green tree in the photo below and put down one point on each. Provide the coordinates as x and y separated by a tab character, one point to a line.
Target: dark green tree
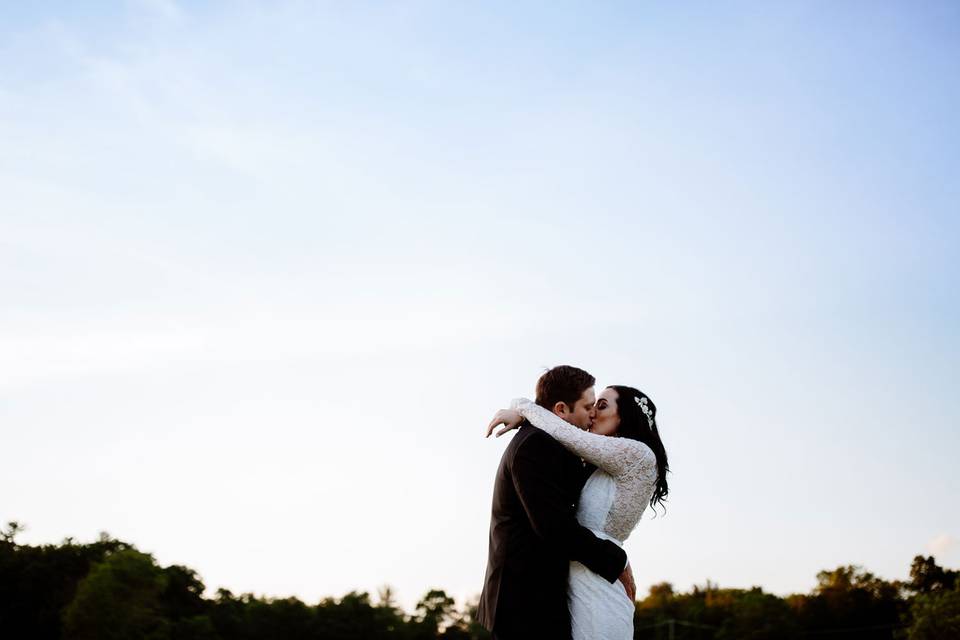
37	582
936	615
354	616
119	599
183	604
434	611
847	599
755	615
8	534
465	625
926	576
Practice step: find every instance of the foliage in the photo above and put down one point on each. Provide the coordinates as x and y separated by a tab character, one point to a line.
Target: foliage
38	582
119	599
935	615
935	609
108	589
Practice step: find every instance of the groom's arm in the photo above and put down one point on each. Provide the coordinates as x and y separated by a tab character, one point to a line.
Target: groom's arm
538	467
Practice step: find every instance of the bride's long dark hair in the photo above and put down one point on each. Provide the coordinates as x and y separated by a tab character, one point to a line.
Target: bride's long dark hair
634	424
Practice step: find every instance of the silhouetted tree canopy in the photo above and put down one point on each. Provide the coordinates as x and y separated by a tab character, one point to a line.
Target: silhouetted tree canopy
119	599
108	589
936	614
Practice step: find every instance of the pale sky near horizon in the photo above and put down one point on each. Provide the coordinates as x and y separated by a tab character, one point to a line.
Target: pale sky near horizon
268	268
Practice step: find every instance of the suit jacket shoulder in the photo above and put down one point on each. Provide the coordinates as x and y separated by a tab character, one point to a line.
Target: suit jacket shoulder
531	439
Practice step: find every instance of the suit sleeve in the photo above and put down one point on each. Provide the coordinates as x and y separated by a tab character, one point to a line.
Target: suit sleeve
537	471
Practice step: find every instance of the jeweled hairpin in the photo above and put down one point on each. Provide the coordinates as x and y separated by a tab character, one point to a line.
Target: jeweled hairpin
642	403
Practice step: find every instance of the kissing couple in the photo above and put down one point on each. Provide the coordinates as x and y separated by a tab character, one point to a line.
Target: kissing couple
571	486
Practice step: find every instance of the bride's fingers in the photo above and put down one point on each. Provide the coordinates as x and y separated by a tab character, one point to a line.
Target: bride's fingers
507	426
493	423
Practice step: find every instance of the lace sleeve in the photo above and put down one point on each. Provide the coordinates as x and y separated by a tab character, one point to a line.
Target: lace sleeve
616	456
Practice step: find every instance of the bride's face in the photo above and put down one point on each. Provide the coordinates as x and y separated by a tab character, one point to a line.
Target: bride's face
607	418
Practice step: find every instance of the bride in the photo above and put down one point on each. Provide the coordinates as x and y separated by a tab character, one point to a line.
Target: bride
624	444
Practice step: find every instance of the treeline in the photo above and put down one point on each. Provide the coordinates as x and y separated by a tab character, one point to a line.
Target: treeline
847	603
109	590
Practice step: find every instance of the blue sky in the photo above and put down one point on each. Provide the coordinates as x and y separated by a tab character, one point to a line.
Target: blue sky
268	268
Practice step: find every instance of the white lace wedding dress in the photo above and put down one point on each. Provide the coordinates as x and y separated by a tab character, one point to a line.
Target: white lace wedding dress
611	503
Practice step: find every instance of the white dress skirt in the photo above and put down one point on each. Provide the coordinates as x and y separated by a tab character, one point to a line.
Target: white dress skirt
598	609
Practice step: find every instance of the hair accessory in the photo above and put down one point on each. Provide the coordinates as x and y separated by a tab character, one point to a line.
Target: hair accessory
642	403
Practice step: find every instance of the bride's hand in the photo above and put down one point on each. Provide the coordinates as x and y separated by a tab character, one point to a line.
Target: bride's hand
628	584
508	417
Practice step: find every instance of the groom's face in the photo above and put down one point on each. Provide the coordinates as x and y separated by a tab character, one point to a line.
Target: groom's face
582	412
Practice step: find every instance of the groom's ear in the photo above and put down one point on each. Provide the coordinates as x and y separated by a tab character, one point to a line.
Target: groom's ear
561	409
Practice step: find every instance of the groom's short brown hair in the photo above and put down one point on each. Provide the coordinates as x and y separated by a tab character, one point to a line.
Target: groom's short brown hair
562	384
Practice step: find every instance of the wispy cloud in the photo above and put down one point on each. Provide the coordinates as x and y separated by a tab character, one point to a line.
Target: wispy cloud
942	544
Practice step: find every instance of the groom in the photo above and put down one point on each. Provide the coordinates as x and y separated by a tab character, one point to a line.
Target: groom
534	533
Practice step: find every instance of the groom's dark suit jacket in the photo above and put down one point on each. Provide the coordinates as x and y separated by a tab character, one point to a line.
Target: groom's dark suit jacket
534	534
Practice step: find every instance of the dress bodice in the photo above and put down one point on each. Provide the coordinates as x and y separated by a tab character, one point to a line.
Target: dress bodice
617	493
